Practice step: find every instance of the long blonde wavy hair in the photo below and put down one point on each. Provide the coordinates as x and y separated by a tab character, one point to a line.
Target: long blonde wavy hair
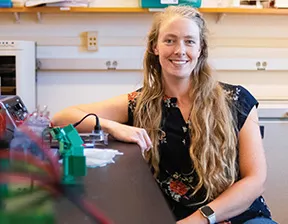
213	138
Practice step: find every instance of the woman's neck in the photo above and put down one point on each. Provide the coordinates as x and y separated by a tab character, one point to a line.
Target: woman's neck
178	88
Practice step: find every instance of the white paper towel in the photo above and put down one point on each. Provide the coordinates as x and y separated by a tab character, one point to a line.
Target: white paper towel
100	157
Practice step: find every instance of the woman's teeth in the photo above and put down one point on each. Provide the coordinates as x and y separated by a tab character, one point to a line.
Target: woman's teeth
179	62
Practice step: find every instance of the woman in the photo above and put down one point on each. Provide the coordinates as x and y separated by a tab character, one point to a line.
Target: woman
201	137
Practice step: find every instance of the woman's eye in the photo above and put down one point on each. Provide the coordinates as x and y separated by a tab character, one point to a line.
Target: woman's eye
190	41
169	41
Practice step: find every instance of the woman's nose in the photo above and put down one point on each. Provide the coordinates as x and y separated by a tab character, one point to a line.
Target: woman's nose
180	49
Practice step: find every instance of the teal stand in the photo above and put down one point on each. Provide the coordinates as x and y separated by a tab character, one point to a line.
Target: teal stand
72	151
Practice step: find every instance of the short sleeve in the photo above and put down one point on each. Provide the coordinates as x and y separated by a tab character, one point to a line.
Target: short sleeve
132	99
246	101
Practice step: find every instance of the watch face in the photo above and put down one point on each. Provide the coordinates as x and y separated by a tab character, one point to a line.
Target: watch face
207	210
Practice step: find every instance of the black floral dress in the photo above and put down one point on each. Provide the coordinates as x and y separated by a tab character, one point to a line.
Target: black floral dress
177	178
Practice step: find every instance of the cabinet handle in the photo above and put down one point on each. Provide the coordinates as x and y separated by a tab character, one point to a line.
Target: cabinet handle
111	66
259	67
38	64
262	130
115	63
108	64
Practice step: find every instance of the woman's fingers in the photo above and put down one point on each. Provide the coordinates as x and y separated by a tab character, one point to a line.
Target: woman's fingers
132	134
147	139
142	143
142	139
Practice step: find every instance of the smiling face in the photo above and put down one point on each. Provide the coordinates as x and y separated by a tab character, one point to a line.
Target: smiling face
178	47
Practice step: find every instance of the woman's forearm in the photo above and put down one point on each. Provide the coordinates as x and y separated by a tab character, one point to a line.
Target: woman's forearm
237	198
231	202
73	115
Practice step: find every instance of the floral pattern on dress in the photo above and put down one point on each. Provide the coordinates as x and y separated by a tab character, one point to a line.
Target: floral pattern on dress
162	137
132	99
233	94
184	129
177	189
169	101
177	186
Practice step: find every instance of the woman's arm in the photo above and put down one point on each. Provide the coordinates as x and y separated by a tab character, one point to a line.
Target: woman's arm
114	109
252	162
112	114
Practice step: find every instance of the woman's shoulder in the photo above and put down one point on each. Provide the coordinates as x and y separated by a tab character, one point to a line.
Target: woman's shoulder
132	96
242	101
132	100
239	94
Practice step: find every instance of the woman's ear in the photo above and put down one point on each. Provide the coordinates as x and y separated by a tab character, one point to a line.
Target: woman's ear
156	52
199	52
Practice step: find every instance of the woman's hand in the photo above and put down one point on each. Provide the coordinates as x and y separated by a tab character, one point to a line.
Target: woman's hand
183	221
192	220
131	134
196	218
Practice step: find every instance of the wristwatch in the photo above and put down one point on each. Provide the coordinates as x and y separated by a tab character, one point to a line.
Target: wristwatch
208	213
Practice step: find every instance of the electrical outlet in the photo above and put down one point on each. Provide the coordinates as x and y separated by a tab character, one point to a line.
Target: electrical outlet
92	41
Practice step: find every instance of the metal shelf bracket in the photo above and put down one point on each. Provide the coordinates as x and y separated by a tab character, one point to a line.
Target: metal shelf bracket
220	17
17	17
39	17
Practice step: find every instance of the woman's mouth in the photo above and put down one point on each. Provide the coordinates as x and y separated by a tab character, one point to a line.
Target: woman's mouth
179	62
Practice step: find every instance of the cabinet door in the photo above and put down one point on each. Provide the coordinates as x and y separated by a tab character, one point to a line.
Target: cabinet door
275	64
235	64
275	142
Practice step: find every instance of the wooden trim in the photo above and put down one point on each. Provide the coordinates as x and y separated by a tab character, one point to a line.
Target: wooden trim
268	11
240	10
73	10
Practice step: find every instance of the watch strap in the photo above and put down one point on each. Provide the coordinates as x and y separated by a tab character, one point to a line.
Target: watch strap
211	218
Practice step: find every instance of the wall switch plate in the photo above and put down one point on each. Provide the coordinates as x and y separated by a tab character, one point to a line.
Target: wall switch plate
92	41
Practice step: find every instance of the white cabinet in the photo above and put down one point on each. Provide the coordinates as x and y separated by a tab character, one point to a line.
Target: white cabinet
276	64
242	64
275	122
136	63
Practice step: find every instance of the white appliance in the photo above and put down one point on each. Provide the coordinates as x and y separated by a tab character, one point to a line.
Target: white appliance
274	118
281	4
18	70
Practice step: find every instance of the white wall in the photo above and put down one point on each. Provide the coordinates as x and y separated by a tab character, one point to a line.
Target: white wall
122	36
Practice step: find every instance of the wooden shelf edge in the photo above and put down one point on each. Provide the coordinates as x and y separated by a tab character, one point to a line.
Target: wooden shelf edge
73	9
268	11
